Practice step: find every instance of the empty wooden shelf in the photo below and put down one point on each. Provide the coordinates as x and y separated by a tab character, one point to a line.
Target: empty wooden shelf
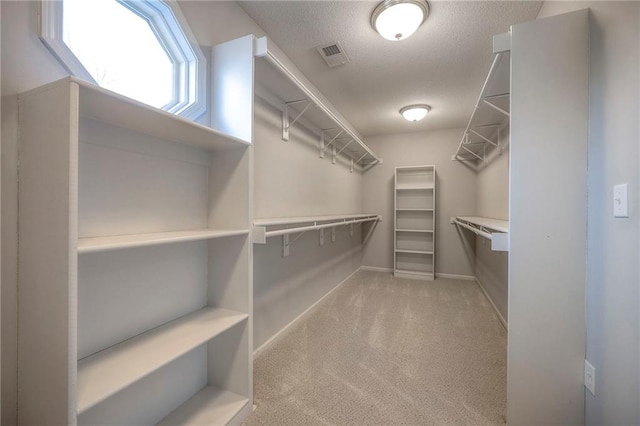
209	406
117	242
106	372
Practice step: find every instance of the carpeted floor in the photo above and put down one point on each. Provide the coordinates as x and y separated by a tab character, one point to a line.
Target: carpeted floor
387	351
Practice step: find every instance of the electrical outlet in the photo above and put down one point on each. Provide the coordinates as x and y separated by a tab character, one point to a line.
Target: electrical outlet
590	377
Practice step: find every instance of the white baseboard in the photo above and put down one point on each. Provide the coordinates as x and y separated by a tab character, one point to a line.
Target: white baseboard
376	269
456	276
273	338
500	317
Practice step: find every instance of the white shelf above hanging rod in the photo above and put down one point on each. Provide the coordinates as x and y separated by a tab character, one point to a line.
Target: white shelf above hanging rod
297	95
497	231
491	112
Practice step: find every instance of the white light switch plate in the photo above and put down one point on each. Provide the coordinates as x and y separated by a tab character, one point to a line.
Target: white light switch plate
620	200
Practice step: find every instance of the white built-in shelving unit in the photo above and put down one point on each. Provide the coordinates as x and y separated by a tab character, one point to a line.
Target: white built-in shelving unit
282	84
134	252
414	222
491	112
286	226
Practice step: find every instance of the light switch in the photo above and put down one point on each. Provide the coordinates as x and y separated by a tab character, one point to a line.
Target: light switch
620	202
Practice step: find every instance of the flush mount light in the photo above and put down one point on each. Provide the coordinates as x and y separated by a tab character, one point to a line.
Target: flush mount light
398	19
415	112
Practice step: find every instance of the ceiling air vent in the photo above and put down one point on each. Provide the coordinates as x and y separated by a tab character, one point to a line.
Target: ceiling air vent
333	54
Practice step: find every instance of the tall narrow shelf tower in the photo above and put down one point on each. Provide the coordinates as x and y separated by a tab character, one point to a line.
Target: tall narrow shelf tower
135	259
415	218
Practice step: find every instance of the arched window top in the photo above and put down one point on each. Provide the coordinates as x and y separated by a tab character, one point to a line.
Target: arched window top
142	49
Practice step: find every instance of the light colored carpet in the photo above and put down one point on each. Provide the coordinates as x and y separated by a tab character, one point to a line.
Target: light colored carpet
387	351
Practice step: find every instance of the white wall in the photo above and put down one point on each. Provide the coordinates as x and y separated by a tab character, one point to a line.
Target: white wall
456	196
613	250
291	180
492	186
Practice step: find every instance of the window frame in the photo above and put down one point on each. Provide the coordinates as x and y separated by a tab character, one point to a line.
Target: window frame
172	30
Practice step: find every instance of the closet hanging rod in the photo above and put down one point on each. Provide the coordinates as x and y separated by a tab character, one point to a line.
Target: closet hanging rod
317	227
260	233
474	230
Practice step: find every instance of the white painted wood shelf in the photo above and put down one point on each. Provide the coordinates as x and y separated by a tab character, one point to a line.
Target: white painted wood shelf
112	173
414	222
210	406
301	102
103	374
279	221
495	230
486	222
414	187
118	242
109	107
413	251
491	112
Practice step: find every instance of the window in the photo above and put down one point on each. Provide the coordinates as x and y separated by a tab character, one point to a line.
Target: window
142	49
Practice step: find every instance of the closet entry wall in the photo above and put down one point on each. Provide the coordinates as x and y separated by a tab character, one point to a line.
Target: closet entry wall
548	220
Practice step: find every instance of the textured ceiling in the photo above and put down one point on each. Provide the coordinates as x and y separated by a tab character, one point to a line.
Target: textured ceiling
443	64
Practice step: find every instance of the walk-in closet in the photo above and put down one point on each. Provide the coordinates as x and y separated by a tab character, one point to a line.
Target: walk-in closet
319	212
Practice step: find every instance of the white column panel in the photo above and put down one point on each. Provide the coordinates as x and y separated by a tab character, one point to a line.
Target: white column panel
548	220
232	88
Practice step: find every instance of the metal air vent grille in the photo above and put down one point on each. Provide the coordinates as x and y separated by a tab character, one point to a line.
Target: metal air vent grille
333	54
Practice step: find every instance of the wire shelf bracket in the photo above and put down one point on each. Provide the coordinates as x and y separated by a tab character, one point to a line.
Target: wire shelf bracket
491	112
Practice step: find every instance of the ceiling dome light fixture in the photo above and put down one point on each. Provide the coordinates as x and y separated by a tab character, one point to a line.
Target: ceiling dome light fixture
398	19
415	112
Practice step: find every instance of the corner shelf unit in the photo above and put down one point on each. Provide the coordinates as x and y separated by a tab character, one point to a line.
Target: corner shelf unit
130	218
495	230
299	225
491	112
300	101
415	222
